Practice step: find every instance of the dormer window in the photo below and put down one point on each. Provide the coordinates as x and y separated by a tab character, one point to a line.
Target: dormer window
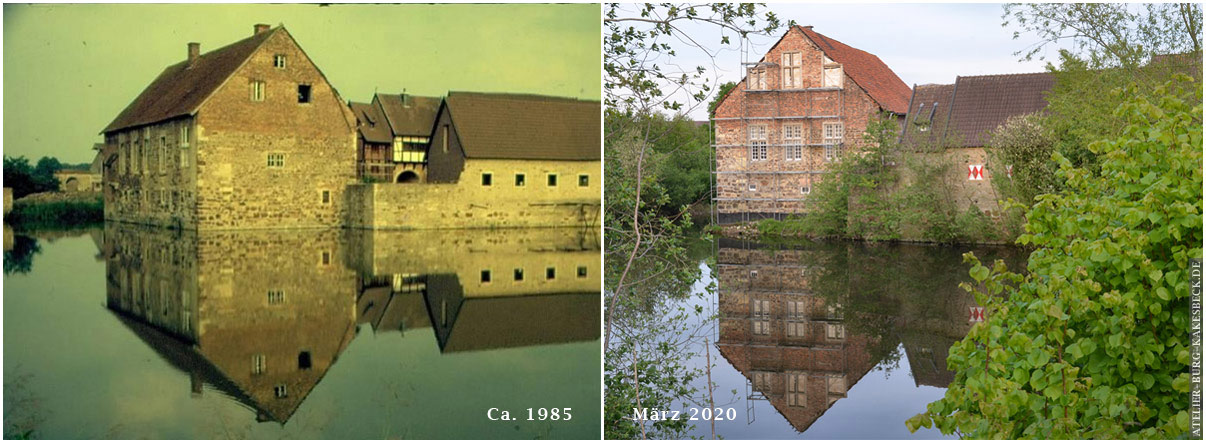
791	71
278	61
756	78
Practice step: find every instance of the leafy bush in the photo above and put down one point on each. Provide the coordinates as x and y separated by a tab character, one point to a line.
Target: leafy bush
1094	341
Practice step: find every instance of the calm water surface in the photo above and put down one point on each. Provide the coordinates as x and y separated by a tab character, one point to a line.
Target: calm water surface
831	340
123	332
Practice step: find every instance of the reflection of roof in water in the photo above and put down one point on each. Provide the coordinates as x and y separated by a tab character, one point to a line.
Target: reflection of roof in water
184	357
508	322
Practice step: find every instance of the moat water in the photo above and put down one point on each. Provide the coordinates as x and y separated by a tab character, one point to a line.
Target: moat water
829	340
121	332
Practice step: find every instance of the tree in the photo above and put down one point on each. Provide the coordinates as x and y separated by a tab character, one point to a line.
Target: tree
25	180
642	78
1094	340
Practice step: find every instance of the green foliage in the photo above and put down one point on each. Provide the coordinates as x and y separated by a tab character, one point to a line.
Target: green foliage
18	258
25	179
1025	144
57	213
888	192
1093	342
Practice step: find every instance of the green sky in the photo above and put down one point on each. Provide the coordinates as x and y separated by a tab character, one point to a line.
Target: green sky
70	69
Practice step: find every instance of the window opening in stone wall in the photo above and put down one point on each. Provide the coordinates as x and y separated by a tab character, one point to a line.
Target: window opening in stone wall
550	273
276	160
757	142
793	138
552	180
520	180
303	93
485	276
278	61
258	364
487	179
833	74
303	360
326	197
518	274
833	133
582	272
791	71
257	91
583	180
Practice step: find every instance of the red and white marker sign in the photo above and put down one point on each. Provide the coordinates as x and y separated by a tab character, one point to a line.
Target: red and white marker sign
976	314
975	172
1009	170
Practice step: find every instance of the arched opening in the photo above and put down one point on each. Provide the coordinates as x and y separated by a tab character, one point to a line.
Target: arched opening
72	185
408	177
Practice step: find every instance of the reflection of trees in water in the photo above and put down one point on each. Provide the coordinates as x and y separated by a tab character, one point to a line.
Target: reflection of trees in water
19	259
23	412
656	331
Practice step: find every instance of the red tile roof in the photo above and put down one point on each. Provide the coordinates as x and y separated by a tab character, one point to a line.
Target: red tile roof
867	70
182	88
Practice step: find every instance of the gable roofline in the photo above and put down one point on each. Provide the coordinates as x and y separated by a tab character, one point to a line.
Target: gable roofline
829	53
191	111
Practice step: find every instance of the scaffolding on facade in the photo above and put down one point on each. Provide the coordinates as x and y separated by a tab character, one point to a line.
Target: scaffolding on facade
766	104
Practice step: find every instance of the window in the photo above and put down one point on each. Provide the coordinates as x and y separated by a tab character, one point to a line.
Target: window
793	140
550	273
257	364
796	310
444	140
257	90
326	197
520	180
487	179
278	61
833	140
303	93
582	272
791	71
760	312
276	160
805	190
184	157
518	274
835	331
485	276
123	158
163	153
795	328
833	74
280	390
583	180
552	180
326	257
276	297
397	149
753	188
797	389
756	78
757	135
184	135
303	360
761	381
836	384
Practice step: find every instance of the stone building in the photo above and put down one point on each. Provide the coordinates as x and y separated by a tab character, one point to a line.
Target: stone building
498	160
957	120
393	133
250	135
799	107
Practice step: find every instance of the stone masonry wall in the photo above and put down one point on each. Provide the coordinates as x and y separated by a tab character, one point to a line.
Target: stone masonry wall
153	180
850	105
237	188
471	204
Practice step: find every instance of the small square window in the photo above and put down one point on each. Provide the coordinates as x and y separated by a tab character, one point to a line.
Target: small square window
550	273
805	190
276	160
487	179
281	391
518	274
582	272
303	93
753	187
520	180
278	61
552	180
485	276
583	180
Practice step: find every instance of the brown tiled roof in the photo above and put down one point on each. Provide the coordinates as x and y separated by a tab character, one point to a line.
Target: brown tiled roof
867	70
984	102
181	89
930	108
409	115
519	126
970	109
372	125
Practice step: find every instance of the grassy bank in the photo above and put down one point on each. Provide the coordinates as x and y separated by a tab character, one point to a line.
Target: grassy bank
57	209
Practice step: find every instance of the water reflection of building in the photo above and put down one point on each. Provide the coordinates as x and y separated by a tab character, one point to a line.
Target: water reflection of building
789	342
263	315
482	289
